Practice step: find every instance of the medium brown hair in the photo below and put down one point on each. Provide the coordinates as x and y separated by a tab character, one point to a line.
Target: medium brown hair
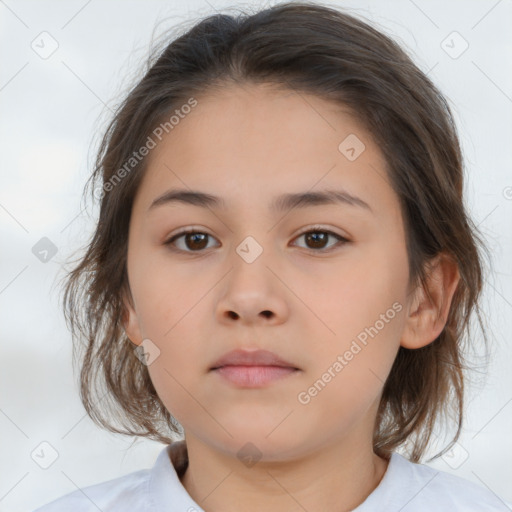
315	49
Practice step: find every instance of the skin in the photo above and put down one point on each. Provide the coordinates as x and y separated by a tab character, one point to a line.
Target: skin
247	145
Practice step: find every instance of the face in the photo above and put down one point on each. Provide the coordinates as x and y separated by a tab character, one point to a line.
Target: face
322	285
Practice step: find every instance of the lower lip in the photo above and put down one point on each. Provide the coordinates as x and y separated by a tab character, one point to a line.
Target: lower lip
253	376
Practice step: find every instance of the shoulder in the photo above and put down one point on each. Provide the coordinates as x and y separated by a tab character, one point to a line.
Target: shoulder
128	492
430	489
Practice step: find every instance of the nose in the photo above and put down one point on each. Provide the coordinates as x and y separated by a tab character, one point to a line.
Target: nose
252	293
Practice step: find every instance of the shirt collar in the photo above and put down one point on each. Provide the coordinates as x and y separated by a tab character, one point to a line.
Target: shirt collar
165	490
166	493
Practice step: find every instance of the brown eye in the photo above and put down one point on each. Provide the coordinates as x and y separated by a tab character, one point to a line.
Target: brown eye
317	239
197	241
194	241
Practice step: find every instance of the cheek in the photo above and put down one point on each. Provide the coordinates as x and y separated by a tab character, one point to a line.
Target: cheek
351	299
363	315
348	371
181	364
169	377
168	296
169	305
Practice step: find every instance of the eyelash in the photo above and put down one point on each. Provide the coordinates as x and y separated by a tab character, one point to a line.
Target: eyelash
342	240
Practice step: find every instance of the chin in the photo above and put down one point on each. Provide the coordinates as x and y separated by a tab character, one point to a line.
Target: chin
256	444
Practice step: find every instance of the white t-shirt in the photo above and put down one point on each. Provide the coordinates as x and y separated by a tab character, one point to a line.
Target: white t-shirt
405	487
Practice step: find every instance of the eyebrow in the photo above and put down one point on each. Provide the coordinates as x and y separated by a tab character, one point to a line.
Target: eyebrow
281	203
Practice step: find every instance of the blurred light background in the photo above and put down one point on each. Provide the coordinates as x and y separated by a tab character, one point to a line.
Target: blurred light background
64	65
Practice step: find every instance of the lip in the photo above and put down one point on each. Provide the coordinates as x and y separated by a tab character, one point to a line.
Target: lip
254	376
258	358
252	369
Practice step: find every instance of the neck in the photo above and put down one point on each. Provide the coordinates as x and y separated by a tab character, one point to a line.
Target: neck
335	477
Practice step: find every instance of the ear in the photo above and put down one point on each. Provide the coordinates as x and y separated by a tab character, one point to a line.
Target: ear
129	318
429	309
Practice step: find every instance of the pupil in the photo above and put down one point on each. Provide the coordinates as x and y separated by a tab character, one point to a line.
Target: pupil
196	236
315	238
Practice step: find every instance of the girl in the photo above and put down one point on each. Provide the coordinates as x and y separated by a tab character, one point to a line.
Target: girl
281	275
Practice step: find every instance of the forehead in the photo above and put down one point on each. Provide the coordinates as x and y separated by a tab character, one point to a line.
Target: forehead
253	143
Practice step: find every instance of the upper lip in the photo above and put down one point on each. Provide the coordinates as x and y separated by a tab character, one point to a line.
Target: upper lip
240	357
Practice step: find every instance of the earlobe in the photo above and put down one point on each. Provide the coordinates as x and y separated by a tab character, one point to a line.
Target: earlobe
430	308
130	321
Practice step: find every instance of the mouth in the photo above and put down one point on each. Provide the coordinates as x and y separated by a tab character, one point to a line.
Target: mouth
252	358
252	369
253	376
